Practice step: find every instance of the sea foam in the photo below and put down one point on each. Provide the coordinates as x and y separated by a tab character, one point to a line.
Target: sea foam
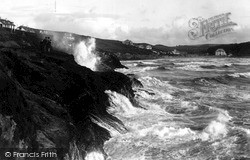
246	75
120	104
217	128
94	156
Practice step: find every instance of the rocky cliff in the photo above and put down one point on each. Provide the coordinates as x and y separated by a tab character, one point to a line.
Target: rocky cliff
54	103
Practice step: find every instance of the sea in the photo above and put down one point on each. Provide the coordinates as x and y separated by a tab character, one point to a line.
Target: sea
188	109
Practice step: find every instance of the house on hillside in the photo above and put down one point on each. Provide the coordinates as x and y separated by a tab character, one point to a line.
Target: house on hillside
26	29
149	47
175	52
141	46
178	53
220	52
4	23
43	31
128	42
69	36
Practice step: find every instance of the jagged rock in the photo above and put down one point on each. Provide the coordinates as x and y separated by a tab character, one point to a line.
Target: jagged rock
135	81
109	62
53	102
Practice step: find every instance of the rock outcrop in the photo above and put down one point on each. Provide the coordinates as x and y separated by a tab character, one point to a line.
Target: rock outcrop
55	103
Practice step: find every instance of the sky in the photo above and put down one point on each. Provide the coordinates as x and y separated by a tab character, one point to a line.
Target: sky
142	21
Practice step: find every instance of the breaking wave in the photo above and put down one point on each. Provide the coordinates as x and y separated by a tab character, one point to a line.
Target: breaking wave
84	54
191	115
120	104
223	79
218	127
244	75
94	156
215	66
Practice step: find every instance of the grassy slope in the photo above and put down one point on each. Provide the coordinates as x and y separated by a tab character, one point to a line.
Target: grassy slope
120	49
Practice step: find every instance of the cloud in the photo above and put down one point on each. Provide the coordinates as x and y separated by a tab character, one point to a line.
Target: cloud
166	34
111	27
156	22
180	22
149	35
96	25
90	14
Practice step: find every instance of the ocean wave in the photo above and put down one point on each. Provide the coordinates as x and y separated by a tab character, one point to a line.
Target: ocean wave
149	62
161	68
145	93
192	63
190	112
130	64
240	129
222	79
137	70
168	64
191	67
216	66
153	81
140	64
242	75
120	104
162	131
204	66
170	132
241	64
203	81
143	64
95	155
214	130
148	69
217	128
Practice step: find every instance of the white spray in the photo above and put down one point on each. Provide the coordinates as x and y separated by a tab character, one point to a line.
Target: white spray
94	156
84	53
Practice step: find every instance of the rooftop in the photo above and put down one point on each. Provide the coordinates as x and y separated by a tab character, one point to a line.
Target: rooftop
6	22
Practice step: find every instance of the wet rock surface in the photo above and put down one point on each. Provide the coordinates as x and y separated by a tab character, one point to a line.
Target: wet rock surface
109	62
51	102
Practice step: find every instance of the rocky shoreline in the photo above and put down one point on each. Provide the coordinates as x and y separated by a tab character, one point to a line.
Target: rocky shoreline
53	103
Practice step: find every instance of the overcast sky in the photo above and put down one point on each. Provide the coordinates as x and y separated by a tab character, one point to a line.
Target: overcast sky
152	21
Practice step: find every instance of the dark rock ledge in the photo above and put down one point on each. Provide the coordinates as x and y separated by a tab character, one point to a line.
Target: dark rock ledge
52	103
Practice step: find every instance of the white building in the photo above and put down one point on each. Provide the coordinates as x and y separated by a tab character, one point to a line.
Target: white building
26	29
141	46
175	52
220	52
128	42
148	47
6	24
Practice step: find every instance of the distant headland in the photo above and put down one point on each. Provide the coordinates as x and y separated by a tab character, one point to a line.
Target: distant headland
122	49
